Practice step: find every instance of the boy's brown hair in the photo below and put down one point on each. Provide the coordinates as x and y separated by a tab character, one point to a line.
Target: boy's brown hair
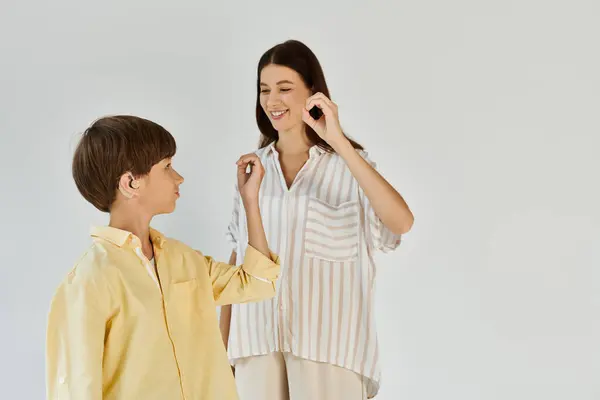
112	146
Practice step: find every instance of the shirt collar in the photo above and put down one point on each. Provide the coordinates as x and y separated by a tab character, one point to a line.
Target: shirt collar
312	152
121	237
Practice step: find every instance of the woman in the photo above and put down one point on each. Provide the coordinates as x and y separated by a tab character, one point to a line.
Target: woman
326	211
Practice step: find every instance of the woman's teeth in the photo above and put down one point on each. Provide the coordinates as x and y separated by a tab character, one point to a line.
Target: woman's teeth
277	114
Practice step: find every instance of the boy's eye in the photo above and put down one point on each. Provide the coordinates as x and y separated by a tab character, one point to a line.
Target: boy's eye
264	91
285	89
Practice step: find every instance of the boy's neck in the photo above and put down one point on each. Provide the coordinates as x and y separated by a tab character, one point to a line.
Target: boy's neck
135	223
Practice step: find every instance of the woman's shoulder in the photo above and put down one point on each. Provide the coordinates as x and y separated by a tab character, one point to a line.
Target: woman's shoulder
262	152
363	153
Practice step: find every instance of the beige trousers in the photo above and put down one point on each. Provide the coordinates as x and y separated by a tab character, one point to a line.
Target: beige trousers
282	376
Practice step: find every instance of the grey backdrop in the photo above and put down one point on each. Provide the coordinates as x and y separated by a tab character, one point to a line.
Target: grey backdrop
483	114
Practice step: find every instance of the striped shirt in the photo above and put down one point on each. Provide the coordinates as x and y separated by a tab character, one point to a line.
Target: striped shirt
325	232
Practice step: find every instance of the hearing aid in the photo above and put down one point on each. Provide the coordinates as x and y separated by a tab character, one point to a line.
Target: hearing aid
134	184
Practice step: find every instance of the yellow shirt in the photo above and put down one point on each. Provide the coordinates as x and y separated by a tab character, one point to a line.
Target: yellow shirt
119	330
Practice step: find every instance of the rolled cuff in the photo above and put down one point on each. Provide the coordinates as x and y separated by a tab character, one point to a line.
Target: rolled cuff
257	265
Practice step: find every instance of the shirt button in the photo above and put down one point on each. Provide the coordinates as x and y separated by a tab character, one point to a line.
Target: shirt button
62	380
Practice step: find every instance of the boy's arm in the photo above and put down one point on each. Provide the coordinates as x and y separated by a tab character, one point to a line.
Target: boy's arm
75	341
254	280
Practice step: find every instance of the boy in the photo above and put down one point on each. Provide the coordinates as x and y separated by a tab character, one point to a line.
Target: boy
136	317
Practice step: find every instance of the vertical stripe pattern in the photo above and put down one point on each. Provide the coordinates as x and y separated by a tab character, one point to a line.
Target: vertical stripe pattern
325	232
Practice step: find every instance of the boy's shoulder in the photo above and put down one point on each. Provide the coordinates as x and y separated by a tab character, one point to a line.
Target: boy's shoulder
177	246
91	273
95	262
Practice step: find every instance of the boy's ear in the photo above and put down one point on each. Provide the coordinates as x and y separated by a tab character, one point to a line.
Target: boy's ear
128	185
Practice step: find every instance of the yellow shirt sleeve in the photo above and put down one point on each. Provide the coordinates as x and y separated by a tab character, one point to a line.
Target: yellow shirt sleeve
75	340
254	280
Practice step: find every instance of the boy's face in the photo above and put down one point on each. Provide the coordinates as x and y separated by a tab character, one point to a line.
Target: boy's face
160	188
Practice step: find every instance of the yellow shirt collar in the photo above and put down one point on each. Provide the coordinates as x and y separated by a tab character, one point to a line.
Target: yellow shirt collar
121	237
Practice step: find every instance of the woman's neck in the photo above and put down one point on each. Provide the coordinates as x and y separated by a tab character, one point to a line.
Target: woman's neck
293	142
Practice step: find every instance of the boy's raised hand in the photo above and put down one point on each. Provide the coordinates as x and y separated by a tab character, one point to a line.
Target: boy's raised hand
249	183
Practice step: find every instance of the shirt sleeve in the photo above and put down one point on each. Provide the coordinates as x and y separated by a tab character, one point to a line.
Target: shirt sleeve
378	236
254	280
233	229
75	339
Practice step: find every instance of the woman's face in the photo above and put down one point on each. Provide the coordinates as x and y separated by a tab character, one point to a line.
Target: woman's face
283	96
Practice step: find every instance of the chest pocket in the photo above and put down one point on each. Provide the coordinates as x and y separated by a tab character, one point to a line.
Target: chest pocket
189	294
332	231
185	300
